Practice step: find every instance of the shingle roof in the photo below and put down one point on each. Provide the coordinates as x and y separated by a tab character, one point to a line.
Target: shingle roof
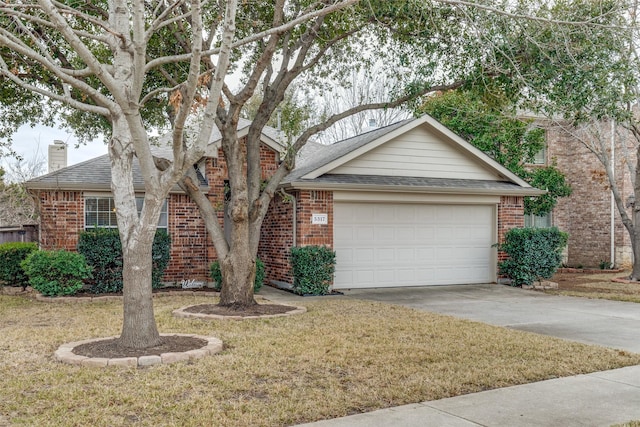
95	174
408	183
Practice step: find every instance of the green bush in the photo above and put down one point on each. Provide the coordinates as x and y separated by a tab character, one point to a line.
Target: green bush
11	255
103	251
216	275
534	254
312	268
54	273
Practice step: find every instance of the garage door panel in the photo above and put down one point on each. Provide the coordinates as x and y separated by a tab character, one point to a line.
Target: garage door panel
385	255
385	233
425	254
363	255
383	245
423	233
406	255
365	233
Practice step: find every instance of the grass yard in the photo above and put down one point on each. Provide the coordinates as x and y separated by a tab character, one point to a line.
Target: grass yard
340	358
596	286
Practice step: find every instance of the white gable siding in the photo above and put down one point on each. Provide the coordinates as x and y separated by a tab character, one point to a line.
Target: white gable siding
417	153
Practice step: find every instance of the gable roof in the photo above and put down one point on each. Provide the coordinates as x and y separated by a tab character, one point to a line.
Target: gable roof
95	174
323	166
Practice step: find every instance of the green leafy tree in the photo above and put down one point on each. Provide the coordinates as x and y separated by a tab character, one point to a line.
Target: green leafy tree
127	69
492	127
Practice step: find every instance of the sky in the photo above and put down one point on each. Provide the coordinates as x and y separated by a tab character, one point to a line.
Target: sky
29	142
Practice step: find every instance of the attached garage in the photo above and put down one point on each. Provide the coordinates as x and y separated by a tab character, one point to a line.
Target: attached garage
413	244
411	204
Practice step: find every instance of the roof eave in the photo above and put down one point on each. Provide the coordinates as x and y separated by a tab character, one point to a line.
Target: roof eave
46	186
306	185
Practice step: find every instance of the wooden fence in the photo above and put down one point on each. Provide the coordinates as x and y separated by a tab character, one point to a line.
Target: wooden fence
27	233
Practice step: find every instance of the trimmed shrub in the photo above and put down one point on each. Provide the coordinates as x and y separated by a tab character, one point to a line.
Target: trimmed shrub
216	275
160	256
312	269
55	273
534	254
11	255
103	251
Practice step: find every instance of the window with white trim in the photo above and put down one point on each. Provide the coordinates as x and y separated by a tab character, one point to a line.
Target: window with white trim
101	212
537	221
540	157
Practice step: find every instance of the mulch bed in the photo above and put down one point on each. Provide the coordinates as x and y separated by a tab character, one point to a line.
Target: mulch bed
254	310
111	349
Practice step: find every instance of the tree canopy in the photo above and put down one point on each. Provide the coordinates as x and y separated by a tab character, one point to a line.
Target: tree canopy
511	140
129	69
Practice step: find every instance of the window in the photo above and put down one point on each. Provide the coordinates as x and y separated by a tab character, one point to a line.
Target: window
541	156
537	221
101	212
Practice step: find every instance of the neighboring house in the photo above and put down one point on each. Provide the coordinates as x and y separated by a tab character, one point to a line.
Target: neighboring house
588	214
405	205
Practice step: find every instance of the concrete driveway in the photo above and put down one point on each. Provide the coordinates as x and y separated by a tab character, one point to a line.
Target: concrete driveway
601	322
596	399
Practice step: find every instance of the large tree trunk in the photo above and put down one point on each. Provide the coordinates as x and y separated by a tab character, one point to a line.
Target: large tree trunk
238	267
139	326
238	275
136	236
631	226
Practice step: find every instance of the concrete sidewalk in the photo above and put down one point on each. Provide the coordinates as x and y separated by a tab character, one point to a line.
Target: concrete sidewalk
597	399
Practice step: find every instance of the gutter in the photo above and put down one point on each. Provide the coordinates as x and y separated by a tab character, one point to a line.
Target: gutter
414	189
42	186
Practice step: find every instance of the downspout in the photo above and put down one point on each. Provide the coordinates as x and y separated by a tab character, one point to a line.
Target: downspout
295	217
613	202
295	201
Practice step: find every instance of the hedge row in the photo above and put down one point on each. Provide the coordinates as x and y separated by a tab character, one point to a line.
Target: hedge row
11	255
103	251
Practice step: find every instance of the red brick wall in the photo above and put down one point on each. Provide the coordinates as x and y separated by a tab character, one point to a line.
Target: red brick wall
62	214
510	215
585	215
189	241
310	202
276	240
61	218
277	230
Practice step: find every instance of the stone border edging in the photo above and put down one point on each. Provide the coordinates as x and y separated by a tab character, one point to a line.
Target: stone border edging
42	298
624	280
541	286
588	270
65	354
180	312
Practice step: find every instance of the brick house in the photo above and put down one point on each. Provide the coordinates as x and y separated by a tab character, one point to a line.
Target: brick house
405	205
596	233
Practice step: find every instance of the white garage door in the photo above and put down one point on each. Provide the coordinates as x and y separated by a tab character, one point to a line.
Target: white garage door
385	245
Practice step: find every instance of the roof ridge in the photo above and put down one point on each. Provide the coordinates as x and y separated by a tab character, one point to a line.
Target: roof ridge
360	135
